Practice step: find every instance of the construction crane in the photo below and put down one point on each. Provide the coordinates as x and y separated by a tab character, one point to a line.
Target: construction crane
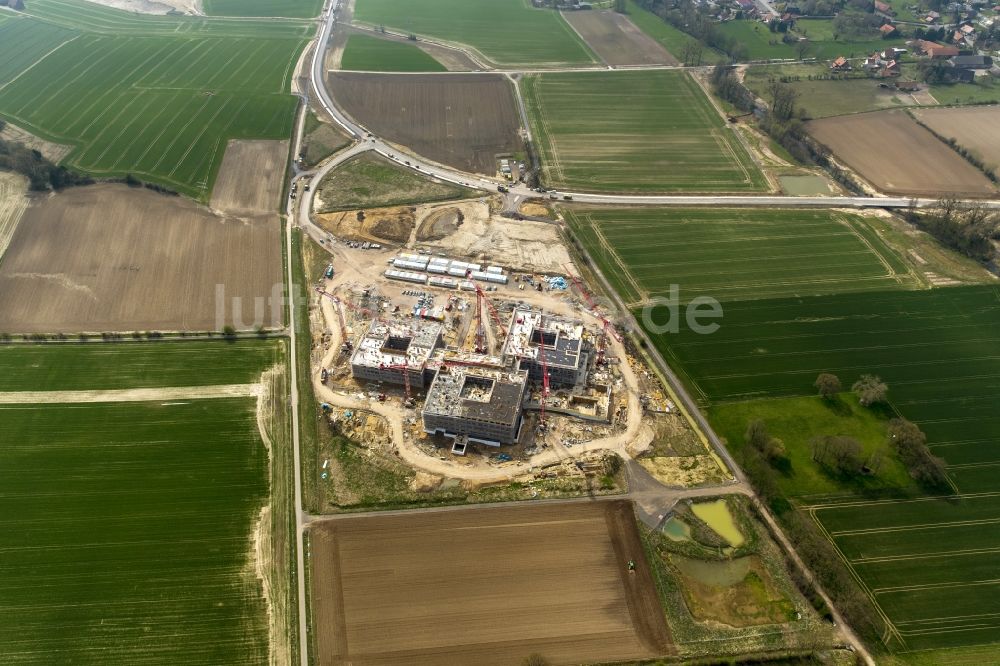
405	369
480	324
494	315
607	328
545	367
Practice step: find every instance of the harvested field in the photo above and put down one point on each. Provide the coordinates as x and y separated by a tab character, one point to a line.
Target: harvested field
617	40
918	162
556	574
250	178
114	258
974	128
468	230
13	202
462	120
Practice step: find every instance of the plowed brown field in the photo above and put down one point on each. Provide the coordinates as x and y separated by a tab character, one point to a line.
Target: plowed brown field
898	156
485	586
975	128
250	177
114	258
617	40
462	120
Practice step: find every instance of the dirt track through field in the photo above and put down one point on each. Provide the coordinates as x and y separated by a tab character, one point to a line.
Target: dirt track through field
898	156
114	258
617	40
250	178
131	395
486	587
461	120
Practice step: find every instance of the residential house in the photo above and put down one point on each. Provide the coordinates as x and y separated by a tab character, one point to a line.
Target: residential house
971	62
840	65
883	8
887	30
889	69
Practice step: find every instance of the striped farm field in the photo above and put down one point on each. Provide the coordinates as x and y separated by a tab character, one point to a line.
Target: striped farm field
667	137
126	533
279	8
930	564
128	365
504	31
134	98
737	254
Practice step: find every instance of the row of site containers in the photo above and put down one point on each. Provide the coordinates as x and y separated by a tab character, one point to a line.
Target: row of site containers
489	277
444	282
406	276
408	265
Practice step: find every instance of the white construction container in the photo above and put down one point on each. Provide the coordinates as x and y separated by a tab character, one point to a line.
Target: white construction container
444	282
406	276
437	268
494	269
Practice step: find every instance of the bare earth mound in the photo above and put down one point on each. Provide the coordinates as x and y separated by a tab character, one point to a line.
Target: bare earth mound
114	258
382	225
250	177
462	120
485	586
525	244
898	156
975	128
617	40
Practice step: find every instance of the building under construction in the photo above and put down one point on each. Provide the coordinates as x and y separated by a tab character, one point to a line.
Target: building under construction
391	348
481	404
531	334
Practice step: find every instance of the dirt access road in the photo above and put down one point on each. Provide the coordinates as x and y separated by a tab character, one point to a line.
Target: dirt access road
384	593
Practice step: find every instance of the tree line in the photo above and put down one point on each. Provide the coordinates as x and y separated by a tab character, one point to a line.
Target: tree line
41	173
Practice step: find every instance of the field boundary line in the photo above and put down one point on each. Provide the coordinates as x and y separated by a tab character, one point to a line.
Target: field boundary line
32	65
890	628
640	293
923	556
930	498
131	395
222	107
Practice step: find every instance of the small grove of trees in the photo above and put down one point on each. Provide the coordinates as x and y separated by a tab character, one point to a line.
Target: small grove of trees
910	444
760	439
845	455
870	390
828	385
967	229
41	173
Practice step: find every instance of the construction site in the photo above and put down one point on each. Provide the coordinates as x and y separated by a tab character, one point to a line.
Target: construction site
485	371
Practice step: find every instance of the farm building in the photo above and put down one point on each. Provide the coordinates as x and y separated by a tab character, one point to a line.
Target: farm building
480	404
560	340
389	347
971	62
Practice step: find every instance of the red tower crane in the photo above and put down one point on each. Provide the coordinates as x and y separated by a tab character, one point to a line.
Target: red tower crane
607	328
405	369
494	315
545	366
480	325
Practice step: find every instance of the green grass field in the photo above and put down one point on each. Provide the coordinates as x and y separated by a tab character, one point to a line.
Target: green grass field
762	44
371	54
126	365
157	97
281	8
672	39
737	254
667	138
505	31
371	181
797	420
126	533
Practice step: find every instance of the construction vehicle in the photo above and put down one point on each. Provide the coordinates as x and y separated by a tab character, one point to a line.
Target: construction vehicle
329	271
323	374
503	188
405	369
